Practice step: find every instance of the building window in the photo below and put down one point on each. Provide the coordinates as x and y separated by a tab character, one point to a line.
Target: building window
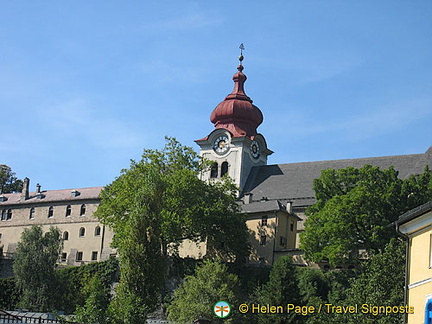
68	210
32	211
224	168
63	257
79	256
3	215
264	220
9	214
0	235
283	241
97	231
83	210
292	227
50	212
66	236
82	232
94	256
263	239
214	170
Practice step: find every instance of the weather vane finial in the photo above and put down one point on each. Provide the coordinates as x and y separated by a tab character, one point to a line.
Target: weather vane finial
241	53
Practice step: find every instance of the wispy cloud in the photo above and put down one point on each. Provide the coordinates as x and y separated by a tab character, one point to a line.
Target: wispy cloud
161	71
382	120
190	21
315	67
76	119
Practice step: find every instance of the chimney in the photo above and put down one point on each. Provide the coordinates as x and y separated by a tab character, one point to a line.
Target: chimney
25	189
289	208
247	197
39	194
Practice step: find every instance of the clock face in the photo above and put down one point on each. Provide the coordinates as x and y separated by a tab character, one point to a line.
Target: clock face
255	150
220	145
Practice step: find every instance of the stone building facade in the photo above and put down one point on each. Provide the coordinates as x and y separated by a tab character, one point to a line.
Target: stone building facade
85	239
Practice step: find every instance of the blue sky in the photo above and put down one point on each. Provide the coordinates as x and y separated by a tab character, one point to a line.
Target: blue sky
85	86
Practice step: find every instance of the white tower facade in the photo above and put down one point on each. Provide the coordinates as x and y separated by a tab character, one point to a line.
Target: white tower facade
234	145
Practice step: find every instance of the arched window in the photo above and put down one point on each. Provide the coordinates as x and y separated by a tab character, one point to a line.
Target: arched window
83	210
97	231
32	211
224	168
214	170
82	232
68	210
50	212
66	235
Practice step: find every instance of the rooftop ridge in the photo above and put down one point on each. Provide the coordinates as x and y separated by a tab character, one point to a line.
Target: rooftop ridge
352	159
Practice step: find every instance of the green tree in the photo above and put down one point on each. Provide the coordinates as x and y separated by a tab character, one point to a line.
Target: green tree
34	267
354	209
319	287
381	283
280	290
8	182
156	204
96	304
197	295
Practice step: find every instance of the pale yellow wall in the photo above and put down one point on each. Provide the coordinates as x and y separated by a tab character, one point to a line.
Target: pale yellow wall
190	249
278	225
419	269
299	227
256	230
281	231
419	272
420	256
292	234
417	298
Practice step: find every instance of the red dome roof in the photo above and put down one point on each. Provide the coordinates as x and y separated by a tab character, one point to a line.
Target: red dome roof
236	113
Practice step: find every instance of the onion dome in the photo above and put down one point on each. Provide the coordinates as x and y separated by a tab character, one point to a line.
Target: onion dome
236	113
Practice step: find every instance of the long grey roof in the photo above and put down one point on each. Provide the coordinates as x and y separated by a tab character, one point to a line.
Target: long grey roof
53	196
294	181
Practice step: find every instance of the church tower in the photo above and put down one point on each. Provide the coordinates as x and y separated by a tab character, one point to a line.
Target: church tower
234	145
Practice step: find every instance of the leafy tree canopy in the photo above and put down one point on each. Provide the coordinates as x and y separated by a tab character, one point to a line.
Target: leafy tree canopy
355	208
165	188
381	283
197	295
96	304
8	182
34	267
281	289
156	204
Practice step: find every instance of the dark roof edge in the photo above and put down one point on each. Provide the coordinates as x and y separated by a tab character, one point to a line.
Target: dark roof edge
362	158
413	213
